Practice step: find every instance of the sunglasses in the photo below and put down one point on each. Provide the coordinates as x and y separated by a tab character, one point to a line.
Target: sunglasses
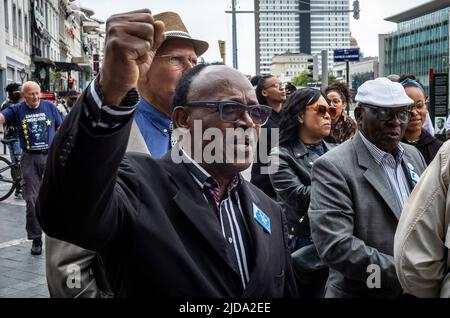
232	112
276	85
384	114
322	110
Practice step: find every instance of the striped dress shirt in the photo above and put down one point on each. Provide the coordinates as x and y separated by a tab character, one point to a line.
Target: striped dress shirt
392	166
229	211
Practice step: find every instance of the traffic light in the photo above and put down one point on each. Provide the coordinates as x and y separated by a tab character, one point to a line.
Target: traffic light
356	9
222	50
313	69
310	70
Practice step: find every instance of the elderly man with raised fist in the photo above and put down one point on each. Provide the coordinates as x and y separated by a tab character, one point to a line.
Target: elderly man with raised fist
150	131
180	226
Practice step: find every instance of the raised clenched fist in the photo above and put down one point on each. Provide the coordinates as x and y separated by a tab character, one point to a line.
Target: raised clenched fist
132	40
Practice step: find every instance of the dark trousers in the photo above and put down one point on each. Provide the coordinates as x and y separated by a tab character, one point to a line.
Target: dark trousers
32	166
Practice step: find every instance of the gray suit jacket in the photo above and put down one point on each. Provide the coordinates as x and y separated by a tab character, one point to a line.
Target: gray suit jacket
354	215
60	256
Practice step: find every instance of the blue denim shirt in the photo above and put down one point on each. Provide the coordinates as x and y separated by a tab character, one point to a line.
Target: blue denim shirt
154	127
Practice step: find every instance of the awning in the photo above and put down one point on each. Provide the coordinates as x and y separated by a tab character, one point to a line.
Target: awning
67	67
43	60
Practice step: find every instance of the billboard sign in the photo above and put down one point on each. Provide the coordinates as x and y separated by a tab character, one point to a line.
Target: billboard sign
439	101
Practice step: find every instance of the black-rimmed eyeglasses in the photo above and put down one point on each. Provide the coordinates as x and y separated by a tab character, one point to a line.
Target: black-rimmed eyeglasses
385	114
232	112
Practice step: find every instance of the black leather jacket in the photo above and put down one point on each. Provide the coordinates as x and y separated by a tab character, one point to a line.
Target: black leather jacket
292	183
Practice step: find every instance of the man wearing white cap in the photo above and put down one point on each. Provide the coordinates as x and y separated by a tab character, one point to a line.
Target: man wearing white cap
358	191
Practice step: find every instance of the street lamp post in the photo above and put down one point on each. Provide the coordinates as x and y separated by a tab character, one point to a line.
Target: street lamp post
42	73
22	74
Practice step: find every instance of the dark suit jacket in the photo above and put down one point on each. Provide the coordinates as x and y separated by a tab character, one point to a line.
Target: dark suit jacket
150	222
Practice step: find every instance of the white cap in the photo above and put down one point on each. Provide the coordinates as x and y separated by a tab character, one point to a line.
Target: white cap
383	93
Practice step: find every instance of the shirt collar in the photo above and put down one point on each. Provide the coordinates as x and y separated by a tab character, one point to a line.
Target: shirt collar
158	119
379	155
202	177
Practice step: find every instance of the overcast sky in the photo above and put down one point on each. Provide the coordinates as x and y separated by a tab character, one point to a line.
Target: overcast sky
207	20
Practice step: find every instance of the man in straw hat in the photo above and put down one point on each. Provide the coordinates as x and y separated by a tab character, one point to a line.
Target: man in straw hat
177	54
150	132
167	228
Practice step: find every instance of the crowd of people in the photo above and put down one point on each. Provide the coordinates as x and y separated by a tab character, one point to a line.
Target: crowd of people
335	207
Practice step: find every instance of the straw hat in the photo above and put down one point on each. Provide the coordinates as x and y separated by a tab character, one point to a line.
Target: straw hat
175	28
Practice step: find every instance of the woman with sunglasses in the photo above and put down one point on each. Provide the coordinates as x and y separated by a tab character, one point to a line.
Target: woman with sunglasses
305	122
269	91
343	127
415	134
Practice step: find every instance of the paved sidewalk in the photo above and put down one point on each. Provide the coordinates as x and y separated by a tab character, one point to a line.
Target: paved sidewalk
22	275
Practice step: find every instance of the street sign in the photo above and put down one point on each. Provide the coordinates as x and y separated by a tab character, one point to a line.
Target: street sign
346	55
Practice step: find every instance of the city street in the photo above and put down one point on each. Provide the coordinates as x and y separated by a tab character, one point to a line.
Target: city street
22	275
128	126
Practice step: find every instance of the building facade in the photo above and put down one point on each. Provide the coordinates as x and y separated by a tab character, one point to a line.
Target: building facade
79	40
15	43
93	41
299	26
57	43
69	44
288	65
330	27
420	42
277	30
44	39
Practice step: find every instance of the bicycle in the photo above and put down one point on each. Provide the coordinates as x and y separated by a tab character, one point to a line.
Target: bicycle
10	175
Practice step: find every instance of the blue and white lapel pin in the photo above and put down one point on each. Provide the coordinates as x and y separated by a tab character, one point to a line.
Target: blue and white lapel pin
262	219
414	176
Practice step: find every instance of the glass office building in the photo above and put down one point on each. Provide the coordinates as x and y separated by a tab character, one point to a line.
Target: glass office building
421	42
